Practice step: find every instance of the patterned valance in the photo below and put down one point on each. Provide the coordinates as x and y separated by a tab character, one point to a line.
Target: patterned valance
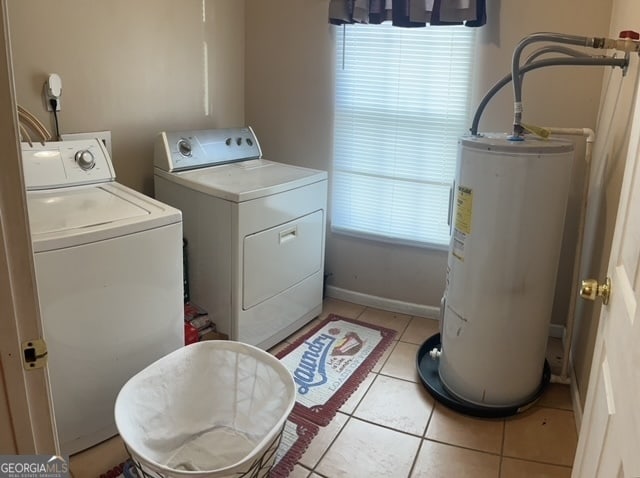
409	13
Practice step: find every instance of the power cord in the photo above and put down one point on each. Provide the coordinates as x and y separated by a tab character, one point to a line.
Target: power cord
54	107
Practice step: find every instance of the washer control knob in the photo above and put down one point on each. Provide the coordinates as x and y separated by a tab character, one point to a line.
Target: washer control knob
249	141
227	141
184	147
84	158
238	141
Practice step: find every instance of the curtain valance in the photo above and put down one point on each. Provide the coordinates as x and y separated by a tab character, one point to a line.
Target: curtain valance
409	13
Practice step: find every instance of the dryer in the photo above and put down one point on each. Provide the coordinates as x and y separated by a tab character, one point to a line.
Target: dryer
255	231
108	264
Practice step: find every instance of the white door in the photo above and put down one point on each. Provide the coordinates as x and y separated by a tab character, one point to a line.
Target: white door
26	426
609	444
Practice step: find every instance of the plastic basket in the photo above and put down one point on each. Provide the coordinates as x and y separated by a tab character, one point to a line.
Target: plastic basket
212	409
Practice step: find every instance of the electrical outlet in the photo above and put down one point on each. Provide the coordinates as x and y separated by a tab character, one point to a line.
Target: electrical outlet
58	105
104	136
52	90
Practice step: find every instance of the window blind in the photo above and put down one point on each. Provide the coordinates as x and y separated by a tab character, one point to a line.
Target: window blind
402	101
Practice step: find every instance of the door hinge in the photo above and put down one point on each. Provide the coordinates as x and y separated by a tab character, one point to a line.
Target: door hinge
34	354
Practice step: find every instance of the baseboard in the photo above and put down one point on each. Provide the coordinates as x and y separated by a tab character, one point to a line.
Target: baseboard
383	303
401	307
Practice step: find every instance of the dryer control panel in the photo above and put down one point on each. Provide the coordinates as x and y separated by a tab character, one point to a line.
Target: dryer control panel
180	151
58	164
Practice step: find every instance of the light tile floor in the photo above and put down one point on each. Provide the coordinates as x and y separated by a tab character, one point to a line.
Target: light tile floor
391	427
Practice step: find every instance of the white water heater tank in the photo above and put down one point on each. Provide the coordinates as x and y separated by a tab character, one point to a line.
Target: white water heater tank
507	223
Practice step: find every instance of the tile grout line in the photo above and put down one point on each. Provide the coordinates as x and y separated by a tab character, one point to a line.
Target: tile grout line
361	312
504	433
553	407
433	410
361	398
386	427
393	318
422	440
313	470
402	379
539	462
391	349
415	458
462	447
422	437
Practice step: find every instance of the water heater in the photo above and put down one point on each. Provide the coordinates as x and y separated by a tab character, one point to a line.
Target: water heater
507	221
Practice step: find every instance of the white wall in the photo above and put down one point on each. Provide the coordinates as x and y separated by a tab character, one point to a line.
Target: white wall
135	68
289	97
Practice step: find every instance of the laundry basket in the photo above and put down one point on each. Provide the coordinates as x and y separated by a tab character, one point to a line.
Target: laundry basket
212	409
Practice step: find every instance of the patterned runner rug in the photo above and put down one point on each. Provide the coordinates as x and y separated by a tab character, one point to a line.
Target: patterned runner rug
328	364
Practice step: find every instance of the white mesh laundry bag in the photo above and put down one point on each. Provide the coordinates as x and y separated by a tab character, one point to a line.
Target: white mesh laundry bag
211	409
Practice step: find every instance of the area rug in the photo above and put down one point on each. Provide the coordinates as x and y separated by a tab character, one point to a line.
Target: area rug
296	436
117	471
329	363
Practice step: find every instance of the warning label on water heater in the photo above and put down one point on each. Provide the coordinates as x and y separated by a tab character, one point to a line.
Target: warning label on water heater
464	212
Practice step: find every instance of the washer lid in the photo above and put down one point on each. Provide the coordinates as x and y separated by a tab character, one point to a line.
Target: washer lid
246	180
64	210
72	216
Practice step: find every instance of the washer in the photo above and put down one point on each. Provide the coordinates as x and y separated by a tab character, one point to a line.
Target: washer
255	231
108	264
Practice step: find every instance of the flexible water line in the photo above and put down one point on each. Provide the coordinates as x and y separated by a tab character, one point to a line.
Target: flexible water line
555	49
24	116
627	42
25	134
589	61
515	63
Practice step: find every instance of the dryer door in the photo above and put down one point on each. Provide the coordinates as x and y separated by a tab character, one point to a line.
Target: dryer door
280	257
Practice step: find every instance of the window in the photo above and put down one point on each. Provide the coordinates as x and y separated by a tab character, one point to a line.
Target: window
402	101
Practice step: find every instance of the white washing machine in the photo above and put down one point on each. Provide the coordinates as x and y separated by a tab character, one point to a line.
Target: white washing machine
255	230
108	264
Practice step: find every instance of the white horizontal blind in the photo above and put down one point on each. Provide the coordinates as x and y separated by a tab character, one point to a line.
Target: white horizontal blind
402	102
